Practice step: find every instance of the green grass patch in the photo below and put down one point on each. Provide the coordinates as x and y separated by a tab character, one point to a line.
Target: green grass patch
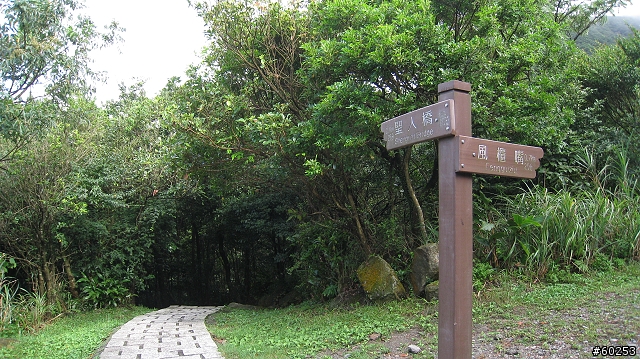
75	336
299	331
576	290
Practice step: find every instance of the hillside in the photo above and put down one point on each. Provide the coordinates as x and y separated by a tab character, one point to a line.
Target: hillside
607	33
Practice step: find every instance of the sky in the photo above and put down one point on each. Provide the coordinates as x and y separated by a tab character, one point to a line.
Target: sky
162	38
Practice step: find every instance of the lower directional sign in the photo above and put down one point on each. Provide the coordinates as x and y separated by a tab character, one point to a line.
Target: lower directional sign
476	155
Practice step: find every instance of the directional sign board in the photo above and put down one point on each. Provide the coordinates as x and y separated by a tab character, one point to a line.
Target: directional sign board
427	123
476	155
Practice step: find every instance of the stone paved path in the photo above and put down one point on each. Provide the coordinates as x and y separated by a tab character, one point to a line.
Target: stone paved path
175	332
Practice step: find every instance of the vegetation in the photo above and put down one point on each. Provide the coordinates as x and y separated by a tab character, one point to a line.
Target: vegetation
533	314
304	330
607	33
77	335
264	168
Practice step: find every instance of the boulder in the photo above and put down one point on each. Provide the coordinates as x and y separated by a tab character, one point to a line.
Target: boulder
424	267
379	280
431	291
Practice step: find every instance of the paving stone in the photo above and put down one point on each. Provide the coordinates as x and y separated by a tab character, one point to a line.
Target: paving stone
177	332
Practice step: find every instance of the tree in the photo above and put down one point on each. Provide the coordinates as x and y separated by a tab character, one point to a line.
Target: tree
307	88
611	77
582	15
41	43
44	53
38	196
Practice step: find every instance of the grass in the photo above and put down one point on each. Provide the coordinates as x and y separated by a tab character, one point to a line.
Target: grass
76	336
583	311
299	331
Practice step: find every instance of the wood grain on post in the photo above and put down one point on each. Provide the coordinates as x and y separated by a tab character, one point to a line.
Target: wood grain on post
455	233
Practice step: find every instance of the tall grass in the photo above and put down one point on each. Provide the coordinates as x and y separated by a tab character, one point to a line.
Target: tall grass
8	290
570	230
574	229
33	310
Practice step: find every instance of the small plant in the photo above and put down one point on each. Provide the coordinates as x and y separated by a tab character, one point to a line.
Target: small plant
601	263
102	292
8	291
482	273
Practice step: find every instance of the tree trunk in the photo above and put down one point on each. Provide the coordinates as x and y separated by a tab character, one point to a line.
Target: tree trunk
196	262
73	285
412	193
248	273
356	217
225	262
46	268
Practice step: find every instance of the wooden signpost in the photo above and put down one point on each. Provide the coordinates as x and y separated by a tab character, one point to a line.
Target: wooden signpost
459	156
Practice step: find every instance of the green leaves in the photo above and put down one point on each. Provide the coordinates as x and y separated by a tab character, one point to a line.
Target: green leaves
103	292
42	42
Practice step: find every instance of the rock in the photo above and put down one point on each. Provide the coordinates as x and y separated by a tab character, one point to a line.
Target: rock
268	300
379	280
291	298
424	267
414	349
431	291
511	352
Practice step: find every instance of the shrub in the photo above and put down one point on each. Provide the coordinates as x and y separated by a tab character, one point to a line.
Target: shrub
102	292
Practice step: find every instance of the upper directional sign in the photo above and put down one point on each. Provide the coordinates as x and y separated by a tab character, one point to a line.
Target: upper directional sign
476	155
427	123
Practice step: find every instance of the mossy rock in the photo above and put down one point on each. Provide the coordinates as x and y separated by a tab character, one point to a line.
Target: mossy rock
379	280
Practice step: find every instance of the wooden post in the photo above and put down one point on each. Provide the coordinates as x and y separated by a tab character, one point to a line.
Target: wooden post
455	233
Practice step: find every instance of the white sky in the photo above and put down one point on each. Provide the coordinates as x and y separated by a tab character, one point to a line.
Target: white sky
162	38
632	9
